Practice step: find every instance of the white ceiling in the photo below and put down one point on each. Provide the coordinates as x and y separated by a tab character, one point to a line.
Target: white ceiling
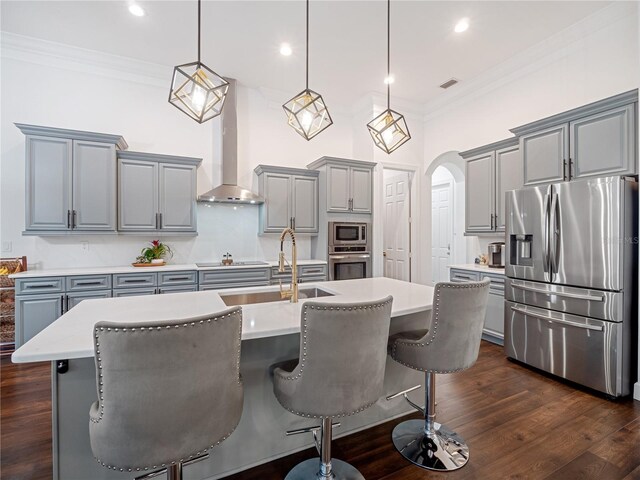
348	38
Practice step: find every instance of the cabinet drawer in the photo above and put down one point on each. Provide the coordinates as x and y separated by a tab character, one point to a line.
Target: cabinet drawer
460	276
134	292
497	284
134	280
237	277
313	270
183	288
309	279
75	298
79	283
222	286
177	278
25	286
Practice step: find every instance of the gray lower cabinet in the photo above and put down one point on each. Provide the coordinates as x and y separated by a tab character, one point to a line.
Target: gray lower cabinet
491	171
134	292
156	193
594	140
348	184
70	180
74	298
34	313
291	199
306	273
493	330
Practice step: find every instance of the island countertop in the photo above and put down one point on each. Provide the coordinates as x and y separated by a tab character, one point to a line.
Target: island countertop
71	336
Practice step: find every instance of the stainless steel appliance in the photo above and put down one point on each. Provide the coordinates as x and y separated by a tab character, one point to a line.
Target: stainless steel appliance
349	250
496	255
571	294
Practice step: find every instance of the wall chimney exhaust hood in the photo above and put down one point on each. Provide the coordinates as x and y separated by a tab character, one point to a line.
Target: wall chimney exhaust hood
229	191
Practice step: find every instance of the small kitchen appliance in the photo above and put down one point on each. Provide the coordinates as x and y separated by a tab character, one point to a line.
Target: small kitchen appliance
496	255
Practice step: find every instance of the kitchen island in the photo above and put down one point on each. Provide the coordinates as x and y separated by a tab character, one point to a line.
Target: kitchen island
270	334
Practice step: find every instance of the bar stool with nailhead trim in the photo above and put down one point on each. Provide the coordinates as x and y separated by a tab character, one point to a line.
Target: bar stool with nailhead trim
167	392
340	372
450	345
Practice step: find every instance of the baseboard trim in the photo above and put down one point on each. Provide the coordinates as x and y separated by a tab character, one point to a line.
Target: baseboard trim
636	391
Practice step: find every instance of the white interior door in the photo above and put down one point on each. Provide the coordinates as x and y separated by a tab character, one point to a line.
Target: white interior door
396	228
441	231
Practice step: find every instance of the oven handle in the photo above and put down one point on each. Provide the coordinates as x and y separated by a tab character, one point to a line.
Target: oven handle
347	257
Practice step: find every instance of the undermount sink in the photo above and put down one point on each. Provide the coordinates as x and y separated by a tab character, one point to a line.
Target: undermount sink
233	299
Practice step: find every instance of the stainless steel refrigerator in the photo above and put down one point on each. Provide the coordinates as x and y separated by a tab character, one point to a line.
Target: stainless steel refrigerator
571	291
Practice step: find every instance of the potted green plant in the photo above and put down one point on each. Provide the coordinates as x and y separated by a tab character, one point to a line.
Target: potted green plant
156	252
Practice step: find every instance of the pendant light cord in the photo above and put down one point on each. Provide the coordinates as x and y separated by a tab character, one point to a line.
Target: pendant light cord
388	54
307	66
199	8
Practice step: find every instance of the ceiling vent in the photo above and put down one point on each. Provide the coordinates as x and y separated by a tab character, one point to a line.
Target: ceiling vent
449	83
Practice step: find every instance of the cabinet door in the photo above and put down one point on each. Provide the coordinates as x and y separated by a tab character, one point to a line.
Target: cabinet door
480	192
137	195
304	203
94	186
276	210
494	317
48	192
75	298
177	197
338	188
545	154
508	177
34	313
603	144
361	190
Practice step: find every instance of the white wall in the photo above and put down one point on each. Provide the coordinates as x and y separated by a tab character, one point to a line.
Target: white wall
97	92
592	60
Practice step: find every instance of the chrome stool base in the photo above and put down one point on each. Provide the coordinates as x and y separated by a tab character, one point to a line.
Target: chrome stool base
310	469
443	450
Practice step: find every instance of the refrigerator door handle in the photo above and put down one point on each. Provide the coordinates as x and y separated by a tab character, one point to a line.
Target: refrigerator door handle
545	240
547	318
554	235
577	296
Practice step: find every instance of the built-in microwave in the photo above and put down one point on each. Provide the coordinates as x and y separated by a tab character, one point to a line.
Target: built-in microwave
348	233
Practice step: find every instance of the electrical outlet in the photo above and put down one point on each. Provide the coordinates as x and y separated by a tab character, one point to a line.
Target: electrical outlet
7	247
85	246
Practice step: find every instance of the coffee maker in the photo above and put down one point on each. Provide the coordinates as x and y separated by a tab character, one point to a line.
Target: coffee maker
496	255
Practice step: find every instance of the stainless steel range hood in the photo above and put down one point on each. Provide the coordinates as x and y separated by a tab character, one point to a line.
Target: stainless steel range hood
229	191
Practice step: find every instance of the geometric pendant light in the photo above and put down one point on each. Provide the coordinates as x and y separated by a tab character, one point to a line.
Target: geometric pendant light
389	129
197	90
306	112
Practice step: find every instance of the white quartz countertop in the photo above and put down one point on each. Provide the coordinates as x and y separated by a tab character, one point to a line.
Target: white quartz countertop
71	336
479	268
63	272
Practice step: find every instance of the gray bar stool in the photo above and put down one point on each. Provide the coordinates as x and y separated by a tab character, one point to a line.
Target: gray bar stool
340	372
450	345
167	392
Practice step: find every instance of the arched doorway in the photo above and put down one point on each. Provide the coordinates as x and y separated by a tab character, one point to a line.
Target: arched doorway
446	243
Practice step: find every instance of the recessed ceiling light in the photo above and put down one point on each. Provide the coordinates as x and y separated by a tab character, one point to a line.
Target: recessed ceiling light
389	80
285	49
462	25
136	10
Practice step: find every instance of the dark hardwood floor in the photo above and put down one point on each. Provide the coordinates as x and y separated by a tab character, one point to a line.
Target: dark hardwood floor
519	424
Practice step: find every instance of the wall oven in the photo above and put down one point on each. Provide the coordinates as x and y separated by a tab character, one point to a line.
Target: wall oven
349	251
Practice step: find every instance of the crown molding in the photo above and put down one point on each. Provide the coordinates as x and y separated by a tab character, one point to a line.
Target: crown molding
57	55
557	46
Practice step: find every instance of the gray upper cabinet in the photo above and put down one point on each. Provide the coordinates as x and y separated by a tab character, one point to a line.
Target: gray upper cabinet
508	176
291	199
544	155
94	186
70	180
347	184
480	200
177	197
594	140
156	193
492	170
603	144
